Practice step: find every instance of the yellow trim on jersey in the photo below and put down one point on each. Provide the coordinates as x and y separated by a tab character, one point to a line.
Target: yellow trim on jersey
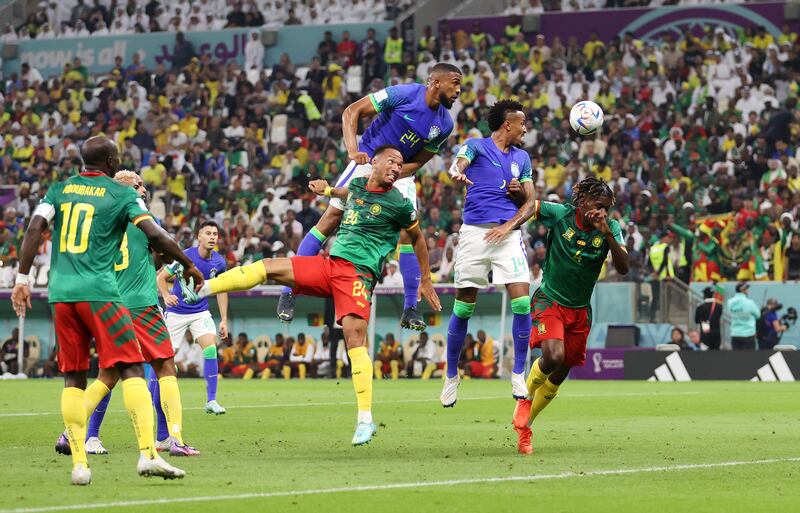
536	207
143	217
416	223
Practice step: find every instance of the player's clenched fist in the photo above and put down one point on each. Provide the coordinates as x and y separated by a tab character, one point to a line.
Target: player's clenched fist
359	157
318	186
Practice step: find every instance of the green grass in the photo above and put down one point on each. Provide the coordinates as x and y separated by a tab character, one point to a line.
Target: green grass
272	441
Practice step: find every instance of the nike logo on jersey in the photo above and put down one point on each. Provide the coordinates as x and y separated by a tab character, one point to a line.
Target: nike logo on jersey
495	163
408	118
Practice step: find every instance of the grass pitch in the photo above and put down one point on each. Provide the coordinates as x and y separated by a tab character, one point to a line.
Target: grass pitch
285	446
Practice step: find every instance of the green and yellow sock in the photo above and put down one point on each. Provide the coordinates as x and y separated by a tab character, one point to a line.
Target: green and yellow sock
545	393
74	413
172	407
361	370
92	396
138	402
536	378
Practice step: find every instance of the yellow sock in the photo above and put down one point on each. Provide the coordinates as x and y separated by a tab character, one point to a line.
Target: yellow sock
378	366
92	396
427	372
138	402
239	278
248	374
287	372
74	413
395	366
535	378
266	374
361	370
171	404
301	371
339	367
544	394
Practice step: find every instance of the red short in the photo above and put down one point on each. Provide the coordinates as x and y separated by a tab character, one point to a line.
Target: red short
152	333
553	321
480	370
109	323
336	278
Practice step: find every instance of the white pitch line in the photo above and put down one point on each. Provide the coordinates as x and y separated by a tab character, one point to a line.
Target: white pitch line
399	486
397	401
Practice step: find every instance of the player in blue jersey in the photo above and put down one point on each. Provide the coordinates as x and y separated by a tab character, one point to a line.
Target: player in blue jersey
490	239
413	117
196	318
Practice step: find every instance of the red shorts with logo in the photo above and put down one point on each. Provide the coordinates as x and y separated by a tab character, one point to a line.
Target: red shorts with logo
553	321
335	278
152	333
108	323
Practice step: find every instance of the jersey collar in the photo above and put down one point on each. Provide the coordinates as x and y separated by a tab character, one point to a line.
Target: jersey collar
93	173
578	222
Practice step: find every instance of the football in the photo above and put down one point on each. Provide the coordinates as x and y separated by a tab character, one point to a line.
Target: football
586	117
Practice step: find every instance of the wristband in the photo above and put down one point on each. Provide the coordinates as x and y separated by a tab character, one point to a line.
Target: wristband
327	191
22	279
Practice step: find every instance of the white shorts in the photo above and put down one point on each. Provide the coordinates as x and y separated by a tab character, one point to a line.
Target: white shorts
406	186
198	324
507	261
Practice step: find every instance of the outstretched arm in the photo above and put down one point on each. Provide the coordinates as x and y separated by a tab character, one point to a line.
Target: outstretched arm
411	167
163	243
355	111
421	250
321	188
21	294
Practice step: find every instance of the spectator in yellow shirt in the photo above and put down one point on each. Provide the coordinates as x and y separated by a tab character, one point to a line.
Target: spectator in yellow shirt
176	185
763	39
154	173
554	174
590	45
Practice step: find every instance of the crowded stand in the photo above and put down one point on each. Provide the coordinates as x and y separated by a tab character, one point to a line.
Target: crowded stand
698	143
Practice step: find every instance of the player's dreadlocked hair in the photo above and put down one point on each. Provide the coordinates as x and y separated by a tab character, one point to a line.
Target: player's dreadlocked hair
497	114
591	187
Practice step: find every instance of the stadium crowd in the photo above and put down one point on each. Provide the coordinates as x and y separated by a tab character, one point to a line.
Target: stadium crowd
698	142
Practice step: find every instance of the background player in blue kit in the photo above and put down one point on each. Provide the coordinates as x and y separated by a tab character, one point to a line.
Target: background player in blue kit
196	318
414	118
490	238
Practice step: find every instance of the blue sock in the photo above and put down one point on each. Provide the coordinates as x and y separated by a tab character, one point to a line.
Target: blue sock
155	391
521	328
96	419
456	333
409	269
309	246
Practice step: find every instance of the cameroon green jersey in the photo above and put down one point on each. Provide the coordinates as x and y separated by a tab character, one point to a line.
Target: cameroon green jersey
91	214
371	226
136	272
575	254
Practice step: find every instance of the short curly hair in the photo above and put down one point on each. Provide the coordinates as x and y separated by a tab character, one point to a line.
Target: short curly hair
591	187
497	114
126	177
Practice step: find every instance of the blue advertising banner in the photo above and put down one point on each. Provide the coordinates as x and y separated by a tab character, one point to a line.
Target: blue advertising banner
98	53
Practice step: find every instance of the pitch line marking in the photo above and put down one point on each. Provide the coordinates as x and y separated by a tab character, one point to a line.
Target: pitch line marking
390	401
400	486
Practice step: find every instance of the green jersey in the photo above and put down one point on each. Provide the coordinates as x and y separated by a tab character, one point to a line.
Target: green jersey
91	214
136	272
371	226
575	254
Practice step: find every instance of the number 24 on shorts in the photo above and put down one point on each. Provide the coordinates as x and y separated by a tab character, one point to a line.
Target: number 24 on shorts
360	290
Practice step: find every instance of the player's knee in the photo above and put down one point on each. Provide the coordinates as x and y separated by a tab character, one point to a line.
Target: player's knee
521	305
553	355
463	310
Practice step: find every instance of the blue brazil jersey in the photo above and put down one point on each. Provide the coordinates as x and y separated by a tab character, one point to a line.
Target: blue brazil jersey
490	170
406	121
215	265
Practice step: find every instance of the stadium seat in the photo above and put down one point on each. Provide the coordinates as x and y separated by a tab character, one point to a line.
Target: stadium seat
668	347
279	134
785	347
301	73
157	207
34	347
355	84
